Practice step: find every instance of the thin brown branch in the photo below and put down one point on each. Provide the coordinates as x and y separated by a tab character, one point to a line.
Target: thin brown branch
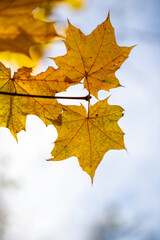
87	98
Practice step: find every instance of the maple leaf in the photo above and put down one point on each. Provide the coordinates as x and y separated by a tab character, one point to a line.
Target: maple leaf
95	57
18	97
88	138
23	40
16	16
46	83
14	36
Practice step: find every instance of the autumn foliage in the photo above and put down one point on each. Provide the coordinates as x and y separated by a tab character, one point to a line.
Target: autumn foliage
20	28
85	134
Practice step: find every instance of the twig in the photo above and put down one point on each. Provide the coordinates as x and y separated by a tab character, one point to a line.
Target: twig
87	98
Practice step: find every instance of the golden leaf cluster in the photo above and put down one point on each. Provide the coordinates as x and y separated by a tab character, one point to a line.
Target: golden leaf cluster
85	134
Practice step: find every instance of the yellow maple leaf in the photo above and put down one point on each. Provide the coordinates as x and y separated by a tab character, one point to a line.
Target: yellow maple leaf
88	138
46	83
20	29
15	36
18	97
95	57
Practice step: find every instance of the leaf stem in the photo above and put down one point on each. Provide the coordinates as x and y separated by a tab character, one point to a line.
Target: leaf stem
87	98
88	107
89	95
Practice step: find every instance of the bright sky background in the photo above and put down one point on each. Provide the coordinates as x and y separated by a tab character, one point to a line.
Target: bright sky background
55	200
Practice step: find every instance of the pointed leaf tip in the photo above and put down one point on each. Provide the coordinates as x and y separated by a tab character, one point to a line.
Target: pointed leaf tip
108	16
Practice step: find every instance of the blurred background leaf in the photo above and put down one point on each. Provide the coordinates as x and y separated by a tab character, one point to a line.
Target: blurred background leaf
21	29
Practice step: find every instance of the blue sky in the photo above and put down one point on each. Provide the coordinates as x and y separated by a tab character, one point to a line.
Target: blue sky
56	200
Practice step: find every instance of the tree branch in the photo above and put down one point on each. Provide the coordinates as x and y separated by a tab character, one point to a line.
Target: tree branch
87	98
